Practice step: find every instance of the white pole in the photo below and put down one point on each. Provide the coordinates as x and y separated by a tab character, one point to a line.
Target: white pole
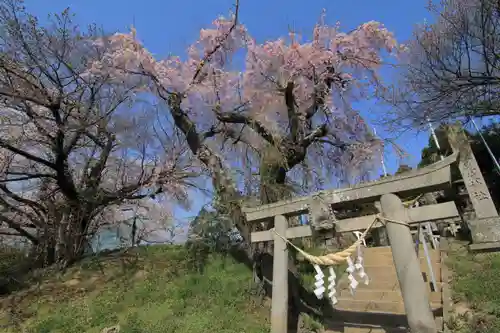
486	144
434	137
382	156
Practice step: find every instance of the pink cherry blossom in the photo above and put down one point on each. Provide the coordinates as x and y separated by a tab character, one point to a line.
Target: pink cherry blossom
326	75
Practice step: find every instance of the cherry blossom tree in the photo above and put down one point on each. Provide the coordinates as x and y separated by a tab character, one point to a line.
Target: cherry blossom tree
451	69
74	148
292	101
286	115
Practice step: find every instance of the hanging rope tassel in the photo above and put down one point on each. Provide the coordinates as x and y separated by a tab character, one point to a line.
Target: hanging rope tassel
359	260
339	258
353	284
320	289
331	287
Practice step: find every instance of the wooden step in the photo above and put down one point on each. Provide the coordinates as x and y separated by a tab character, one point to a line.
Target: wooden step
376	306
382	295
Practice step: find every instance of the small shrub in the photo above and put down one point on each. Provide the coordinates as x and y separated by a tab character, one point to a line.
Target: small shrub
13	264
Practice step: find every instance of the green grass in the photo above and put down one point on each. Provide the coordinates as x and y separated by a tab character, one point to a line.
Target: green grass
475	291
149	290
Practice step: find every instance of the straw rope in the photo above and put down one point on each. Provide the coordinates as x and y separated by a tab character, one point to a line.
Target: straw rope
341	257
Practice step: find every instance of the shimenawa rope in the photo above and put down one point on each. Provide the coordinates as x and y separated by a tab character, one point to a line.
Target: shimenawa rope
340	257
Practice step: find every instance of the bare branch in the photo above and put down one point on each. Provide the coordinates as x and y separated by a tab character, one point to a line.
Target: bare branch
453	66
239	118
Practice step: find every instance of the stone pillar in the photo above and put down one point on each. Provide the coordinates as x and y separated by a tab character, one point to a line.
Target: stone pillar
279	303
411	282
485	227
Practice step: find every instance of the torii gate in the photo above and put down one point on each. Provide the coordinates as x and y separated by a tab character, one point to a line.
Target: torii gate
428	179
485	229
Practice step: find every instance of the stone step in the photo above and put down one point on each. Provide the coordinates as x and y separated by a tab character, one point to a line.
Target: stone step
388	275
389	272
366	329
382	295
386	258
378	284
387	249
376	306
343	327
389	285
384	254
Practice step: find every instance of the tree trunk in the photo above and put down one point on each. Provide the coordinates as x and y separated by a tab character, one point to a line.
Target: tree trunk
229	203
229	199
43	254
70	236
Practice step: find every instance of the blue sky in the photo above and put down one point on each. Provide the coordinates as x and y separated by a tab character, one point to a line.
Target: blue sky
170	26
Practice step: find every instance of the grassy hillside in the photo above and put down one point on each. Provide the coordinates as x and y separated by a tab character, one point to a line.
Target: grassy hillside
150	289
476	293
